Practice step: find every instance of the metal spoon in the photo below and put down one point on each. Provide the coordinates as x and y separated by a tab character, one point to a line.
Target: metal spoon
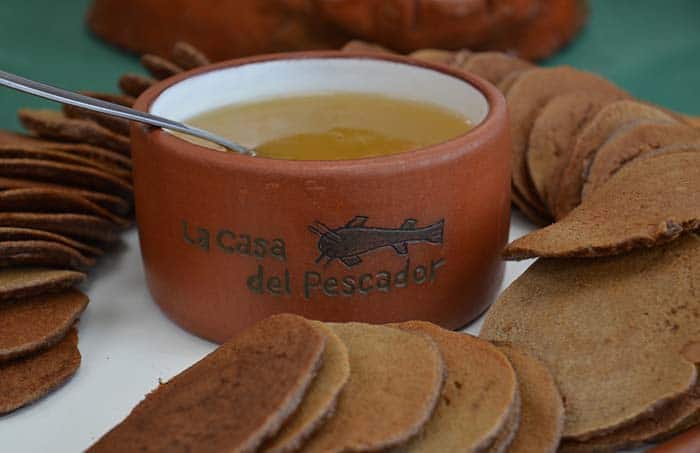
108	108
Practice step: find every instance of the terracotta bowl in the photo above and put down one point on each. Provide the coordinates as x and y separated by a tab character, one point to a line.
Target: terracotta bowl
229	239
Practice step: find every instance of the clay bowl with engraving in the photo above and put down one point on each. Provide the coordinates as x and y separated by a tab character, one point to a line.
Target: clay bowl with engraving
229	239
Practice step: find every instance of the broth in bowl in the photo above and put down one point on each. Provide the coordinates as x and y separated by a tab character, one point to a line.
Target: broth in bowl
333	126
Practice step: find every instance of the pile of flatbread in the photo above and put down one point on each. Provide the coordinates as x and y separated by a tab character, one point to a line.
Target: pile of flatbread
288	384
65	198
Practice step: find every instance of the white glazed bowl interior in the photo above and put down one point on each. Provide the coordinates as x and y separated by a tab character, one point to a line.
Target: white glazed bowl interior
299	76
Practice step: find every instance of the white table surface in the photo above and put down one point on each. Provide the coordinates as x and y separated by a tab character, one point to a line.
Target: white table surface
127	346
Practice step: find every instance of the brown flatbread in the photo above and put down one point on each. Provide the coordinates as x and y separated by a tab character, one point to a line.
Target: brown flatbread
53	124
42	253
628	143
37	323
592	136
648	202
528	94
114	204
494	66
320	400
610	330
507	434
47	200
542	415
233	399
395	381
553	133
44	154
476	403
102	155
27	379
664	420
159	67
68	174
135	84
28	234
76	226
29	282
188	57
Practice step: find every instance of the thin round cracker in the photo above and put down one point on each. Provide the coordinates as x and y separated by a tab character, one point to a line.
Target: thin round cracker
624	318
159	67
48	200
28	282
135	84
235	397
114	204
42	253
628	143
28	234
528	94
553	133
28	379
320	400
53	124
103	155
395	381
42	154
542	415
76	226
37	323
507	434
66	174
611	117
648	202
477	404
188	57
663	421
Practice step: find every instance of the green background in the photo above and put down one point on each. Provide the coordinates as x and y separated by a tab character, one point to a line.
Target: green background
649	47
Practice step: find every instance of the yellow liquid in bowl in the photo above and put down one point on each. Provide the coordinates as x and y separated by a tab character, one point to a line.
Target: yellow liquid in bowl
333	126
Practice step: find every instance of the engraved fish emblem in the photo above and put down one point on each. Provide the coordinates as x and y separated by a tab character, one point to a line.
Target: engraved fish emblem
353	239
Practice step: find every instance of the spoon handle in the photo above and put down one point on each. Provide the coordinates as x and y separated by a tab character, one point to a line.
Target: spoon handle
108	108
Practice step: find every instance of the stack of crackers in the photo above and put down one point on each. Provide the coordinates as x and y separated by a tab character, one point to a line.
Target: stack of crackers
612	308
571	129
289	384
65	197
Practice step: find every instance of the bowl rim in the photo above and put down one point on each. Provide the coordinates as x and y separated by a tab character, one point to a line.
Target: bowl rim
488	128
